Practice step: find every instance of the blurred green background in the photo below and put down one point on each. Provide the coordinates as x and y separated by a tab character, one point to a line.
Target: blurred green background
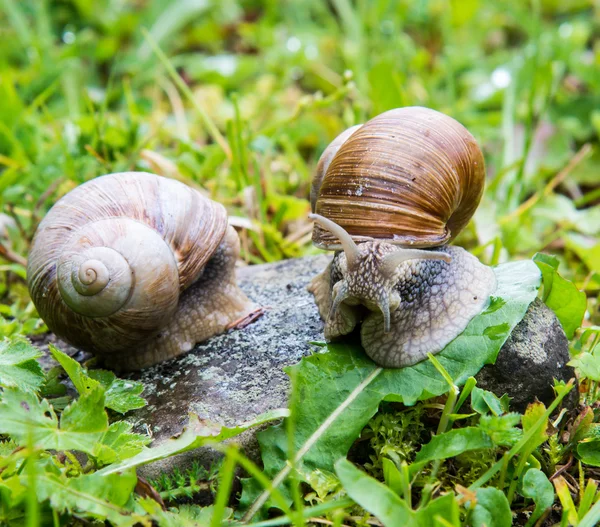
241	97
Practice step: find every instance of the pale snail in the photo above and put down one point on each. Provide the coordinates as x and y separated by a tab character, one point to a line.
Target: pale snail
409	178
135	268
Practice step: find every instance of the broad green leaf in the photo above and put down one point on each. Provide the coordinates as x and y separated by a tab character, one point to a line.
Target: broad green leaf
443	508
374	496
587	365
325	380
82	424
536	486
560	295
12	493
483	402
453	443
18	365
91	495
199	432
492	509
588	452
387	506
121	395
322	482
586	354
549	260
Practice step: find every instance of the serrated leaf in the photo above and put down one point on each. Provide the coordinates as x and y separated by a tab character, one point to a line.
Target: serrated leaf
121	395
453	443
536	486
492	509
90	495
82	424
7	447
199	432
182	516
502	429
52	387
325	380
560	295
83	384
18	365
200	515
119	443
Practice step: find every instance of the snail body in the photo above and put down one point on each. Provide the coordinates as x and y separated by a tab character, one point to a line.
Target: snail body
388	197
135	268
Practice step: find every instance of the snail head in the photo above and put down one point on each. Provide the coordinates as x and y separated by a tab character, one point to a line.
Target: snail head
373	270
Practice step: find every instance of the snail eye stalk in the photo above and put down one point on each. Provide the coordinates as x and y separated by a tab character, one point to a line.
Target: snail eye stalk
350	248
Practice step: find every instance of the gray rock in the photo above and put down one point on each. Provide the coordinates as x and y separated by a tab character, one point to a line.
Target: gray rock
536	352
234	377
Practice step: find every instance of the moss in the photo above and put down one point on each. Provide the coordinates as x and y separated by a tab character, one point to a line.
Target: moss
394	434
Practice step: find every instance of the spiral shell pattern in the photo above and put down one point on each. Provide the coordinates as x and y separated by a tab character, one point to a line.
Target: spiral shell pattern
109	260
412	176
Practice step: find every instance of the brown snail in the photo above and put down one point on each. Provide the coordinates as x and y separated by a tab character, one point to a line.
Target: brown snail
410	177
135	268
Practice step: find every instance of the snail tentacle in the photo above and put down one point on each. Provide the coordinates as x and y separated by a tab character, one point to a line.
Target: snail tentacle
348	245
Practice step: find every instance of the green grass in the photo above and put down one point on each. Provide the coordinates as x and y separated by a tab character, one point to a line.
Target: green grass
241	97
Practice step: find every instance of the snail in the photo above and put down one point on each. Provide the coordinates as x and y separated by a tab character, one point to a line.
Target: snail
388	196
135	268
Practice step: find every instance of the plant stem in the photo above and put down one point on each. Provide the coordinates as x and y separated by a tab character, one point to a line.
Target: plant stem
284	472
206	120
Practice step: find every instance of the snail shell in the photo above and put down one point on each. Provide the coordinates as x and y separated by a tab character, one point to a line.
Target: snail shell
110	260
411	176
